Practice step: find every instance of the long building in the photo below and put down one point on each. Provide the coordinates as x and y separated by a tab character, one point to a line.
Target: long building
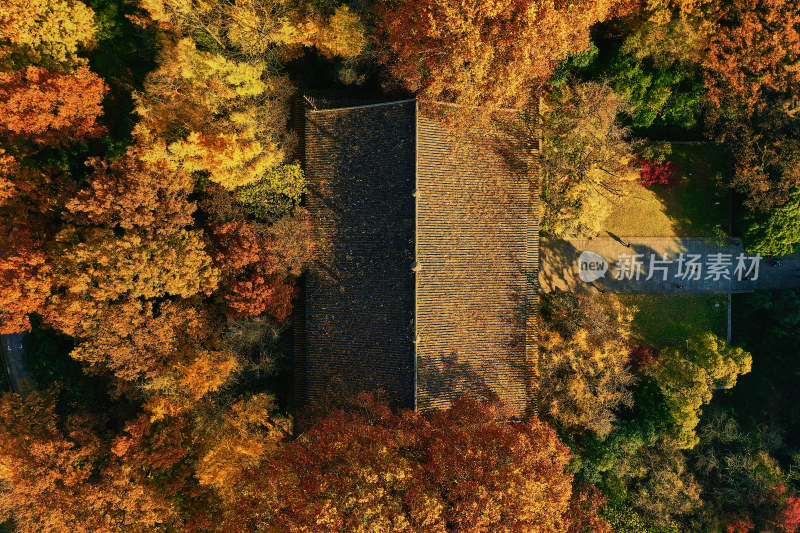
425	284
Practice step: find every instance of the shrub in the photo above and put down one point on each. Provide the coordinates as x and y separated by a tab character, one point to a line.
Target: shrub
657	172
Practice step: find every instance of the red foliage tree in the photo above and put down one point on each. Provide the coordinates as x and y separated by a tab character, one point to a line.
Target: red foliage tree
51	108
740	524
644	356
261	263
657	172
464	469
584	506
786	516
261	292
790	519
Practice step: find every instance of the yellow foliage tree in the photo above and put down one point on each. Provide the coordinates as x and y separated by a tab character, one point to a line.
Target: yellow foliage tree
211	114
95	268
46	32
240	438
583	365
182	387
586	157
258	27
660	483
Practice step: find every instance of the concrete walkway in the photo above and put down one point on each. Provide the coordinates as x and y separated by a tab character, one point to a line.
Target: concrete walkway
11	348
700	268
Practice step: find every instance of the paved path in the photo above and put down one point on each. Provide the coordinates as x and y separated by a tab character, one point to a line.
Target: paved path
11	347
559	266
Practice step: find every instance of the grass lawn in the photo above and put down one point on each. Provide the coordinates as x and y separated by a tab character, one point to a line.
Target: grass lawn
667	319
687	209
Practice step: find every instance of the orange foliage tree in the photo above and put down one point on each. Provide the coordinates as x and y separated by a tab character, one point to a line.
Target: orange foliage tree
25	278
51	108
754	52
370	469
131	193
24	269
753	67
94	268
136	339
488	52
59	476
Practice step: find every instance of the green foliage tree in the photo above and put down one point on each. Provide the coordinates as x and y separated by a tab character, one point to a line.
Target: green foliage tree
274	194
746	482
658	95
690	374
626	520
776	233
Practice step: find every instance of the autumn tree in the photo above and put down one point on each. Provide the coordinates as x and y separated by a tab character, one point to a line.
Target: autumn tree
670	32
261	263
259	27
46	32
586	157
24	268
659	481
747	485
130	193
26	278
94	268
210	114
240	438
689	374
224	113
485	53
59	475
181	386
752	68
754	52
366	468
274	194
138	340
583	374
51	108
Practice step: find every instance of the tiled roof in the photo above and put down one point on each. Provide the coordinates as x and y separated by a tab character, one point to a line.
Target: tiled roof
476	244
359	293
476	247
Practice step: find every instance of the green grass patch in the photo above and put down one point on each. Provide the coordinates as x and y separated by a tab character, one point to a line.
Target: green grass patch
667	319
691	208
